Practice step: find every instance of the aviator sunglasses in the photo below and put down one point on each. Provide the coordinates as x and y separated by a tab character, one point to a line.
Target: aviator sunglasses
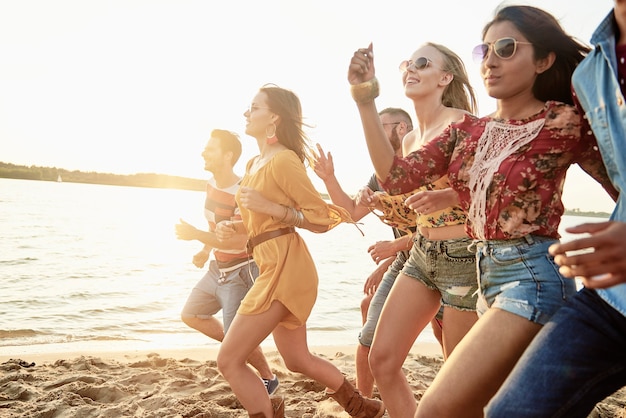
418	64
503	48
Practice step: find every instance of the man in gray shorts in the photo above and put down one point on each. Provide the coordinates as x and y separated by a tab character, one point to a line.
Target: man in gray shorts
232	270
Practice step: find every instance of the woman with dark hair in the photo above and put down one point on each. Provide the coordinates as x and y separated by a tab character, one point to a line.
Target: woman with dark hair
276	196
508	169
577	359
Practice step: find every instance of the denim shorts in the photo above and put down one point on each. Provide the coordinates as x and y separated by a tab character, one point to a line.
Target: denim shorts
447	266
219	290
519	276
366	336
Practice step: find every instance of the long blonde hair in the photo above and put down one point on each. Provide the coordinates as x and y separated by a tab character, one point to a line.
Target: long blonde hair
459	93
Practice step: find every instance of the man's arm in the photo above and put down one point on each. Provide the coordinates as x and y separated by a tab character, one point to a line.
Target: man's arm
188	232
325	170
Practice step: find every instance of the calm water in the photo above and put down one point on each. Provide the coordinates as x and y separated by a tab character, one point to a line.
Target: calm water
89	267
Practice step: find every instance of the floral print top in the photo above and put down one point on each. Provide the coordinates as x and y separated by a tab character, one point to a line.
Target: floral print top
445	217
509	174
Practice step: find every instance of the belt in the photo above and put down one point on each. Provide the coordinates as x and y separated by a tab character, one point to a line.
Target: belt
262	237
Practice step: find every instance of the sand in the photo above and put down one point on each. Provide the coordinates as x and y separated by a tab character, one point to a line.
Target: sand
183	383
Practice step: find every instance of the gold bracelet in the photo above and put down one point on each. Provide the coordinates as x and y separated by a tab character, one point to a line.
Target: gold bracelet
299	219
366	91
285	215
292	216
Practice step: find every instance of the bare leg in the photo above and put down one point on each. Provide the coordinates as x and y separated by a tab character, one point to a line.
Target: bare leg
458	323
499	337
364	378
365	306
293	347
212	328
258	361
437	331
409	307
244	335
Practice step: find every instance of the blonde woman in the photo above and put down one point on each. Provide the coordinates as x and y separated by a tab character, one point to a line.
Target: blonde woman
440	269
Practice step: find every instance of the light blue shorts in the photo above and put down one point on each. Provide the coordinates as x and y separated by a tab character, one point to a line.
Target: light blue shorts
218	290
519	276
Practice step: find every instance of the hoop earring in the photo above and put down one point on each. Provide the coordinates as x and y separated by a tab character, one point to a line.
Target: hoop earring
270	138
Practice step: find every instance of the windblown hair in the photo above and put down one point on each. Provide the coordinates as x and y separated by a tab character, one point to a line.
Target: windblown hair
459	93
546	35
289	129
229	142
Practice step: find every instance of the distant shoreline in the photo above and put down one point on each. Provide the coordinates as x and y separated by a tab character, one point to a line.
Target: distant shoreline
150	180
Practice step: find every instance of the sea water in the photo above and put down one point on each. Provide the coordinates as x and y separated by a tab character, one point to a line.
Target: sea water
94	267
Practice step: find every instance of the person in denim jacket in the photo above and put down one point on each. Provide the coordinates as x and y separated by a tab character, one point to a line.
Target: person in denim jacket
579	357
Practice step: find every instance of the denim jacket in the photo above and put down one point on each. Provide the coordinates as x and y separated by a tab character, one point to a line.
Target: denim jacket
597	88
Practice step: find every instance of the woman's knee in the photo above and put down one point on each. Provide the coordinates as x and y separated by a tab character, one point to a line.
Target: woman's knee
227	363
295	363
381	361
223	363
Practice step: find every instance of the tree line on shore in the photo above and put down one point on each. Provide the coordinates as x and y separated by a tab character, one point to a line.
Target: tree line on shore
162	181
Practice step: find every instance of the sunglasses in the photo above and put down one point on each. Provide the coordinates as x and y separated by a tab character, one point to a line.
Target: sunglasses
503	48
418	64
252	108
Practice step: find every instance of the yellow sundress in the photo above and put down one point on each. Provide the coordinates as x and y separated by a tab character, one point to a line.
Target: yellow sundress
287	271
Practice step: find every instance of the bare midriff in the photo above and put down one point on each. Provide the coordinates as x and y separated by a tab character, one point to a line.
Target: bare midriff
443	232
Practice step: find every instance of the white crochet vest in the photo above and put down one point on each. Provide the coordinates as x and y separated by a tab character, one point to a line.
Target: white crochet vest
498	141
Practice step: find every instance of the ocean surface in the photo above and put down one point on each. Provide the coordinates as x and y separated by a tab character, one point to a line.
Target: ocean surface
88	267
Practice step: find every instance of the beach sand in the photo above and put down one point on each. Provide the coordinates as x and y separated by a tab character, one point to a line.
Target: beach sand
183	383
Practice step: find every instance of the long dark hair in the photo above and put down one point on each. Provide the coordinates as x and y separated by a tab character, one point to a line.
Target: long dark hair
546	34
289	129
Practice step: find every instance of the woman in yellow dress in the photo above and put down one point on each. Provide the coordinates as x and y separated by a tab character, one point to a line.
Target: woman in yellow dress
275	197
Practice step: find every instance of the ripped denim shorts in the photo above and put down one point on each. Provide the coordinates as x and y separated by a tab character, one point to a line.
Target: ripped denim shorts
519	276
447	266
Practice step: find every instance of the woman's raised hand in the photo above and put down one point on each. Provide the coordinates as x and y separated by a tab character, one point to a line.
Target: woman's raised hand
361	67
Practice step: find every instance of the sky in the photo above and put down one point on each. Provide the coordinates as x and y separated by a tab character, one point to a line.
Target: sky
136	86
